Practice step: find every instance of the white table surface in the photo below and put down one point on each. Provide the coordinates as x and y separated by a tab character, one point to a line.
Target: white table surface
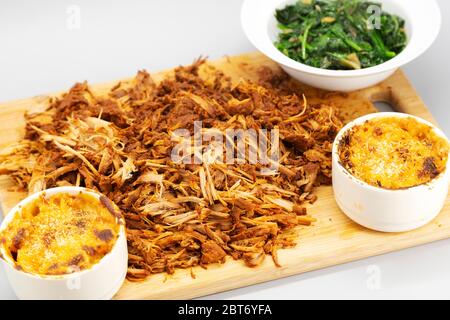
44	49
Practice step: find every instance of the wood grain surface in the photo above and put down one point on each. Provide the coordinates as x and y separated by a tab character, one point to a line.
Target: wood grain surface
332	240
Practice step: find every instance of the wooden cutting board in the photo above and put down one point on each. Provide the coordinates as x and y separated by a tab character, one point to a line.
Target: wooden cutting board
333	239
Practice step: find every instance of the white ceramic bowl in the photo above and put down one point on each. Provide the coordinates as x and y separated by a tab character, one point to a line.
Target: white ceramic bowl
101	281
423	22
382	209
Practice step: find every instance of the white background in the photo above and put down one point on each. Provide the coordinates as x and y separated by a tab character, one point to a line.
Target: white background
41	52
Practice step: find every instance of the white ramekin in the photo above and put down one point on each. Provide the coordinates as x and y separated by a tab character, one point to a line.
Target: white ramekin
423	22
382	209
101	281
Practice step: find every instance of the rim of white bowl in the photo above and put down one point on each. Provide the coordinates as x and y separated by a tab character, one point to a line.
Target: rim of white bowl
423	18
68	189
358	121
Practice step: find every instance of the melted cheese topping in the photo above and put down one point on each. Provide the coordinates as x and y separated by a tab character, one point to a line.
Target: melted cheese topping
60	234
394	153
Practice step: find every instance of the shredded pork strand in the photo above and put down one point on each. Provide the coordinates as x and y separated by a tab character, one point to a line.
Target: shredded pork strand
182	215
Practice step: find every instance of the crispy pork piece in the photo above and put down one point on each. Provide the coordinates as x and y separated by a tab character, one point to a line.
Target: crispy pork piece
212	252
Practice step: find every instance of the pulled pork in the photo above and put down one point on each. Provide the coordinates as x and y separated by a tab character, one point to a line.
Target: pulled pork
181	215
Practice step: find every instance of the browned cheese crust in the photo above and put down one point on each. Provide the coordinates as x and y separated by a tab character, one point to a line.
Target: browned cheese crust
394	153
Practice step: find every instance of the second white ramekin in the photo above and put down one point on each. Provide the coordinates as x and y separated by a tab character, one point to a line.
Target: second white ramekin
382	209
